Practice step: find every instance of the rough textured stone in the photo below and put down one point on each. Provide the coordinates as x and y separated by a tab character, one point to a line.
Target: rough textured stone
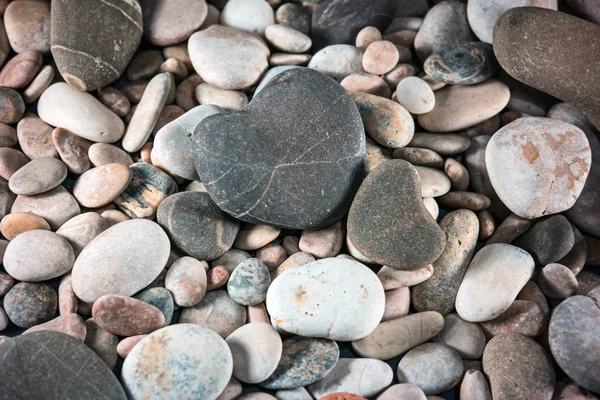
217	312
523	317
102	342
30	304
93	45
312	164
419	156
394	230
69	324
393	278
160	298
249	282
72	150
12	106
28	26
338	61
462	64
20	70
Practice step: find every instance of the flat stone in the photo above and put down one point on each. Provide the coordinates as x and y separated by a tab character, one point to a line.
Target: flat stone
28	26
160	298
56	206
20	70
12	106
172	149
462	64
29	304
72	150
125	316
13	225
300	300
295	170
101	185
81	229
587	281
392	338
35	137
92	61
571	82
60	106
338	61
446	144
380	57
89	376
531	292
166	24
249	282
361	376
492	282
38	176
327	30
573	337
104	153
196	225
433	367
95	275
466	338
523	317
444	25
195	355
256	349
254	236
438	293
217	312
11	160
213	49
518	367
548	240
549	163
186	280
466	200
386	121
511	228
229	100
393	278
412	238
459	107
69	324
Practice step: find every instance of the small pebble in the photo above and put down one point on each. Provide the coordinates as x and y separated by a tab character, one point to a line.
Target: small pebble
186	280
12	225
30	304
249	282
415	95
380	57
125	316
557	281
217	311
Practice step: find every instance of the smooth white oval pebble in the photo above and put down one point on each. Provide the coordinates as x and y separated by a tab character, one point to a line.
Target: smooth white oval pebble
415	95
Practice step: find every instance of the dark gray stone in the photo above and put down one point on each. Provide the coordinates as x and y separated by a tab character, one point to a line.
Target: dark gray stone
93	43
298	145
548	240
294	16
462	64
160	298
30	304
388	222
196	225
51	365
303	361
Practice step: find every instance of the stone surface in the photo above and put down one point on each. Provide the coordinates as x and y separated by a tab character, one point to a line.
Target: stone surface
160	298
458	107
438	293
69	324
564	81
186	280
60	106
415	95
248	15
434	183
114	100
39	84
11	160
433	367
72	150
523	317
303	361
101	185
462	64
67	301
466	338
28	26
393	278
402	391
366	83
338	61
231	259
468	200
443	144
81	229
8	135
295	16
249	282
254	236
196	356
493	279
549	240
126	316
323	243
35	137
213	50
474	386
20	70
95	274
87	375
38	255
397	303
380	57
557	281
298	158
394	230
549	163
196	225
419	156
30	304
38	176
256	349
102	342
333	298
217	312
103	153
12	106
362	376
392	338
113	31
56	206
518	368
287	39
573	337
171	22
511	228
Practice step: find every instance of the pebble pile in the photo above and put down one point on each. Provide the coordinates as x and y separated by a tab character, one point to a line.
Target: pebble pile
300	200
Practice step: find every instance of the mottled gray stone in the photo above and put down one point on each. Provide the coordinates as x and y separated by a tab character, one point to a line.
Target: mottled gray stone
249	282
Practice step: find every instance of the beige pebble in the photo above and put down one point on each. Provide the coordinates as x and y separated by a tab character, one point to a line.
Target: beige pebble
255	236
72	149
38	85
114	100
231	259
380	57
11	161
38	176
56	206
366	36
415	95
457	173
67	300
175	67
127	344
486	225
435	85
104	153
12	225
227	99
20	70
279	59
273	255
187	282
168	114
404	38
366	83
179	52
69	324
394	278
375	155
432	206
323	243
146	153
258	313
35	137
419	156
196	186
434	183
186	92
81	229
397	303
293	261
12	106
113	217
216	277
101	185
287	39
354	253
233	390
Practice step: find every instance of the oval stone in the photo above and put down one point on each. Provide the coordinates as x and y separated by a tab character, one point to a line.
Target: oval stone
12	106
193	354
104	153
466	338
20	70
81	229
332	298
462	64
169	22
12	225
249	282
38	176
126	316
338	61
56	206
60	106
492	282
196	225
138	251
523	317
547	160
38	255
72	150
303	361
11	160
445	144
186	280
256	349
28	26
415	95
393	278
35	137
101	185
29	304
217	312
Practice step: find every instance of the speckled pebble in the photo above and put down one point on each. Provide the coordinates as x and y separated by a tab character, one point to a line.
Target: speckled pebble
30	304
126	316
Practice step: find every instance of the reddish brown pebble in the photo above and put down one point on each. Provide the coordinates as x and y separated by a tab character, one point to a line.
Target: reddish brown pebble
257	313
35	137
273	255
291	244
8	135
216	277
532	292
11	161
144	65
511	228
73	150
232	391
145	153
187	281
486	225
380	57
469	200
12	106
175	67
524	317
127	344
28	25
67	300
15	224
571	391
398	73
126	316
295	260
474	386
323	243
114	100
102	342
186	92
134	90
397	303
69	324
20	70
255	236
557	281
458	174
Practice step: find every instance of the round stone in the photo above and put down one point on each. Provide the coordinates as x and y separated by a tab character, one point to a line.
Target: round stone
492	282
104	153
334	298
366	83
126	316
38	255
388	222
13	225
295	171
256	349
12	106
462	64
56	206
433	367
248	15
35	137
466	338
434	183
139	250
229	100
303	361
186	280
28	26
557	281
518	367
196	225
549	240
253	237
30	304
144	65
366	36
101	185
474	386
81	229
287	39
547	160
217	312
323	243
193	354
249	282
20	70
380	57
338	61
415	95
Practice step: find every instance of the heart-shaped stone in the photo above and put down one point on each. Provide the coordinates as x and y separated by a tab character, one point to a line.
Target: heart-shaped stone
292	158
